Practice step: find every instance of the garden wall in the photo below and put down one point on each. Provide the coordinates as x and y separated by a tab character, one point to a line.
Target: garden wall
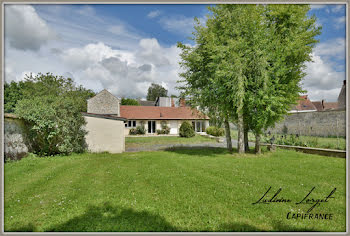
15	146
324	124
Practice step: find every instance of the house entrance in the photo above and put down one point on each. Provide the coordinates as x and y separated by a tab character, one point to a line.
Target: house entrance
151	126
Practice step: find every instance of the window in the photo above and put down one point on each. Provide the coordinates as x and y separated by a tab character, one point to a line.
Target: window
131	123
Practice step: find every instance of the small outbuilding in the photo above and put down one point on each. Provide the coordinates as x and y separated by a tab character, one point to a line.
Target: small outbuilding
105	133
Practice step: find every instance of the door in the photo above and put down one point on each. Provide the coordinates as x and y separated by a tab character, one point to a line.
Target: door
151	126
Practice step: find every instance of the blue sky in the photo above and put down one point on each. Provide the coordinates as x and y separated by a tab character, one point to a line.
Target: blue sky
124	48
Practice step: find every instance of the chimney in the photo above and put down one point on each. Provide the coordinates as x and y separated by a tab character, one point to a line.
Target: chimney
172	102
322	104
182	102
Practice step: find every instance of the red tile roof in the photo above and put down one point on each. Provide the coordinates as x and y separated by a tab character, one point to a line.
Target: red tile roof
318	105
330	105
160	113
304	104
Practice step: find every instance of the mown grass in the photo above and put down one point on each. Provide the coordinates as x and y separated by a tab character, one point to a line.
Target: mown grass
307	141
133	142
179	189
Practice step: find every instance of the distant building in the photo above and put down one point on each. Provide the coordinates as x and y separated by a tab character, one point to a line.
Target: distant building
342	96
304	105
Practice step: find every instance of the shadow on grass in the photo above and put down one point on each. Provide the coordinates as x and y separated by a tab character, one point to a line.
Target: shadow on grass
25	228
108	218
198	151
206	151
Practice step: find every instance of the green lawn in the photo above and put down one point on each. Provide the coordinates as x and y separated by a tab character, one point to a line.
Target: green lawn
203	189
308	141
133	142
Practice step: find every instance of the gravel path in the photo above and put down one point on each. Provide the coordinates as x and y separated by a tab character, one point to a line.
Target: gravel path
158	147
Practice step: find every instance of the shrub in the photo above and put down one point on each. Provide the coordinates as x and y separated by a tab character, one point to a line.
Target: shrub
140	130
54	124
137	130
215	131
165	130
132	131
186	130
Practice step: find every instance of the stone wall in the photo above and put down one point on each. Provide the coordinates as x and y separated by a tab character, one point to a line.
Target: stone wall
324	124
15	145
103	103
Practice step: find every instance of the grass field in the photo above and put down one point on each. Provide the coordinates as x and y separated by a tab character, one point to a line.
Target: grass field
132	142
308	141
176	190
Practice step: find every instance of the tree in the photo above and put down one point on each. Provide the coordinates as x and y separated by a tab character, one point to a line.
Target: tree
51	107
247	64
41	85
156	90
289	39
130	102
12	94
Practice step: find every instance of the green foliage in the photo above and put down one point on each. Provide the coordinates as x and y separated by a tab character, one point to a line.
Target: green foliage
132	131
165	130
215	131
55	124
186	130
156	90
42	85
138	130
130	102
12	94
51	106
248	62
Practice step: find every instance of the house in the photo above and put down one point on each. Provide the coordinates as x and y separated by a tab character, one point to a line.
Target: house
304	105
150	117
153	118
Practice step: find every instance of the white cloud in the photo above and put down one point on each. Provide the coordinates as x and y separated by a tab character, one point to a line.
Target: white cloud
179	24
338	8
322	81
332	48
24	29
124	72
154	14
339	22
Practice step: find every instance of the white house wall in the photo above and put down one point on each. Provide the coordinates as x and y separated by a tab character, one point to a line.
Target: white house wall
105	135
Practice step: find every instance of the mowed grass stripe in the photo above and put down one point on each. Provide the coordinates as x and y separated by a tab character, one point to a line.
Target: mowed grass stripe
178	190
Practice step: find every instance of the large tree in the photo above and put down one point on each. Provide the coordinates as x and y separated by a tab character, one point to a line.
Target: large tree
247	64
156	90
51	107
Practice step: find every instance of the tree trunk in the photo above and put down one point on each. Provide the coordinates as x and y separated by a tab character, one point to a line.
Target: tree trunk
246	144
228	136
257	144
240	126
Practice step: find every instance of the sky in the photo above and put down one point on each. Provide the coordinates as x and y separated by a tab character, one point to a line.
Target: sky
125	48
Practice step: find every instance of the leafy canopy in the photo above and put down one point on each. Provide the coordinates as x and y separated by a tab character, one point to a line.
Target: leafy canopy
51	107
156	90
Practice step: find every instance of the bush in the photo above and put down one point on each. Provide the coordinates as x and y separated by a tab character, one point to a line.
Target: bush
132	131
137	130
54	124
140	130
215	131
165	130
186	130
